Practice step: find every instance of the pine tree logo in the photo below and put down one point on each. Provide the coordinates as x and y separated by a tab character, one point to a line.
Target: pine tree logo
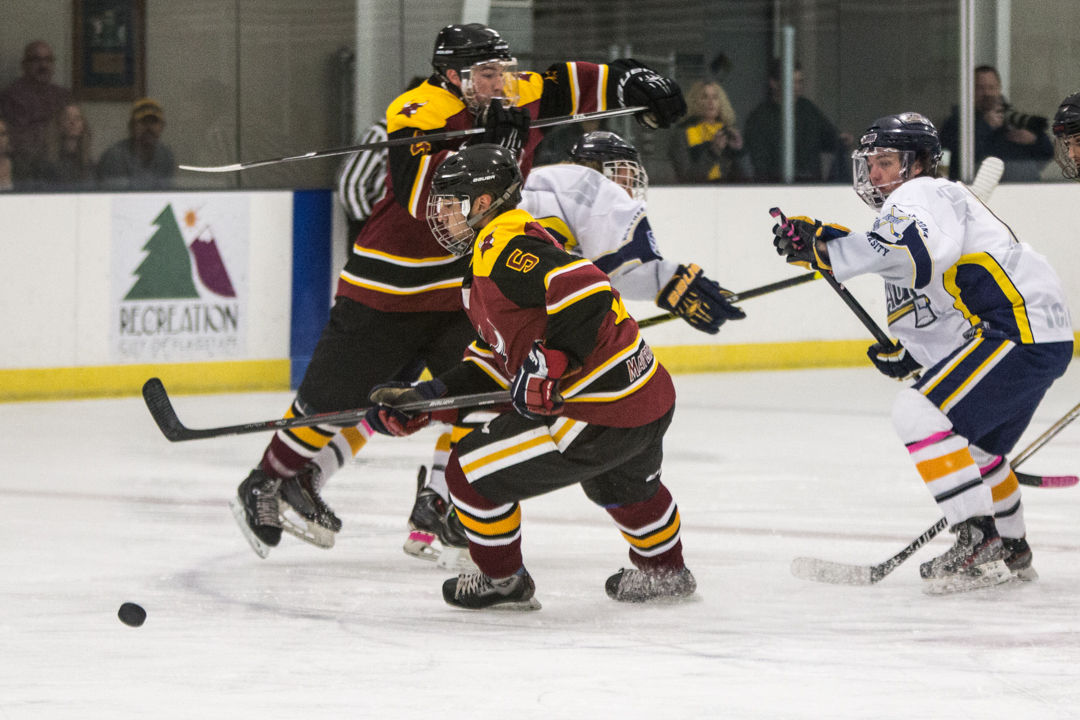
166	271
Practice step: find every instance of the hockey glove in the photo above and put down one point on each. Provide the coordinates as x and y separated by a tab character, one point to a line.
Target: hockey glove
386	419
796	238
535	389
640	85
508	127
698	300
893	360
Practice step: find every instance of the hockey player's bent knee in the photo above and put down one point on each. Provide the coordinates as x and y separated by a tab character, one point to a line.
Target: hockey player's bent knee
916	418
606	494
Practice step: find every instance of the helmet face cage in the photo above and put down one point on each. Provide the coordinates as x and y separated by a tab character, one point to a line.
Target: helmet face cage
629	175
874	195
488	81
1062	143
447	216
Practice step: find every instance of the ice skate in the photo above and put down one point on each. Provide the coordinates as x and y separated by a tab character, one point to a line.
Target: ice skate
255	508
634	585
1018	558
302	511
976	560
432	519
476	591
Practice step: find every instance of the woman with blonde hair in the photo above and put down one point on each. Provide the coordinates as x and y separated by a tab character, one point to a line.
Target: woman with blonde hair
709	146
66	162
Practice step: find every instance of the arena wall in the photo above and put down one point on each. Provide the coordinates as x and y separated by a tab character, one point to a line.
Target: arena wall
97	295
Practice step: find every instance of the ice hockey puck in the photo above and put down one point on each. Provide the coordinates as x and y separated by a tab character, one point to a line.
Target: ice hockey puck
131	614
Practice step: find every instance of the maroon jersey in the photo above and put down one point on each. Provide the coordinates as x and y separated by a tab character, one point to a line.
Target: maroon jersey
396	264
524	287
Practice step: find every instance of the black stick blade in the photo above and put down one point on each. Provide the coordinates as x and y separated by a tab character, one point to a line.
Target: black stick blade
161	409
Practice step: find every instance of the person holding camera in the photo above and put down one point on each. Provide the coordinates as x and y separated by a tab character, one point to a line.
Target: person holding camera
709	147
1000	131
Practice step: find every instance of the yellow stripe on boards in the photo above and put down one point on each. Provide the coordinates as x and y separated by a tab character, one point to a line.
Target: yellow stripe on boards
69	383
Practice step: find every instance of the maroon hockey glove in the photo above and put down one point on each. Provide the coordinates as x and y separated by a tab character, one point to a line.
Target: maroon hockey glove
698	300
386	419
535	390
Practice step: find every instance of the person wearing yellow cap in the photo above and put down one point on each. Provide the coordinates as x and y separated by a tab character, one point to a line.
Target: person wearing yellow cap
141	161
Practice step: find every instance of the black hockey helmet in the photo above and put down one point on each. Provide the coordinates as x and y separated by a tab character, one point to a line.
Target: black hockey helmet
461	46
475	51
484	169
1066	126
617	159
911	134
602	145
1067	117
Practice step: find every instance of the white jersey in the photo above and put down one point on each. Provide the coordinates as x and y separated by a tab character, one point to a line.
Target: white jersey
596	219
952	267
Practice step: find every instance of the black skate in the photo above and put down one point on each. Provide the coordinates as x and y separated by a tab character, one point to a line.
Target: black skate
634	585
975	561
255	508
299	496
476	591
432	519
1018	558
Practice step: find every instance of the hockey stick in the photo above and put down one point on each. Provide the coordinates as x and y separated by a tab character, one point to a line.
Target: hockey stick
1047	480
157	401
837	573
738	297
394	142
826	571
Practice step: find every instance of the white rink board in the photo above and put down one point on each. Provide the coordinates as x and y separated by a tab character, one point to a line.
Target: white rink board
54	265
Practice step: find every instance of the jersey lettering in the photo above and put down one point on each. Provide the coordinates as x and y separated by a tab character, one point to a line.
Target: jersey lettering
639	362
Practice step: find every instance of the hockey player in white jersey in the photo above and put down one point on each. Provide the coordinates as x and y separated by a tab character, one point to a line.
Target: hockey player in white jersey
1066	130
980	314
595	206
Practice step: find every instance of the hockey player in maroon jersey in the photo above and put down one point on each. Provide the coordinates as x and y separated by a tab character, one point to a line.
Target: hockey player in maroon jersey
399	297
590	402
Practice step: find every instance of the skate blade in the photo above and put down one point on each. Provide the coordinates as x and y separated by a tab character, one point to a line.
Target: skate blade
261	549
988	575
307	530
424	546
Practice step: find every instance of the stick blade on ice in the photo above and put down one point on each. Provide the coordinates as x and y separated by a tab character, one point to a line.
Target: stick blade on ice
826	571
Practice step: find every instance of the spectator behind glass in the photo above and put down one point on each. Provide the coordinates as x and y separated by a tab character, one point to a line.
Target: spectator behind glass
1020	140
708	146
6	176
65	163
30	102
142	161
817	143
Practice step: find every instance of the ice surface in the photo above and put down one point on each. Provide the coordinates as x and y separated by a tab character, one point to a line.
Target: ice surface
101	509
